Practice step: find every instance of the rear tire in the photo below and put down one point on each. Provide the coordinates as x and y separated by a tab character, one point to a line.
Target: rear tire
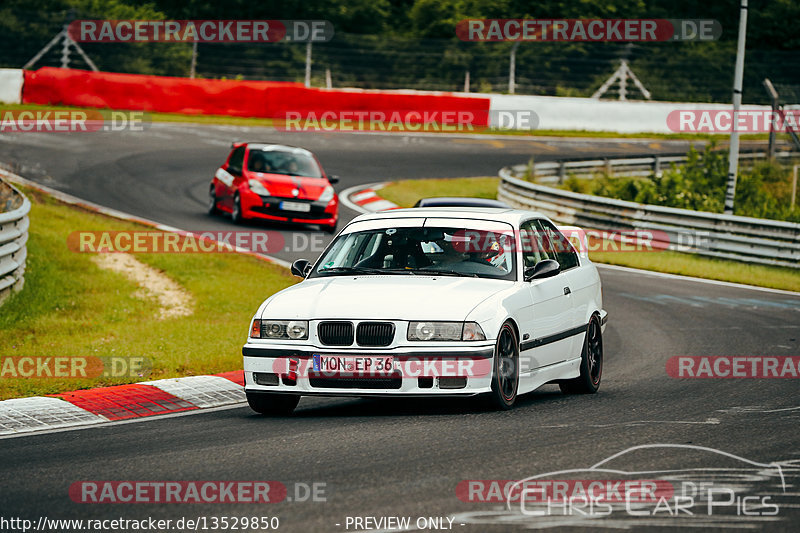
505	376
272	404
591	363
331	229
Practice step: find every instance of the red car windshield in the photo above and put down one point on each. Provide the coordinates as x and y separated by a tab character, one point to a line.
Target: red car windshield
294	163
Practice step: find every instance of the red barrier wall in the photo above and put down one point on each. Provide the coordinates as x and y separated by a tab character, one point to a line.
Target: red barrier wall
264	99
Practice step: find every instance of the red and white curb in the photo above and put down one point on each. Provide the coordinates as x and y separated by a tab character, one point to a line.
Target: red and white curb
120	402
365	198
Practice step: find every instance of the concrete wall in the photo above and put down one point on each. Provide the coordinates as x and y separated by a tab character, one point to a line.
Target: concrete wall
562	113
11	80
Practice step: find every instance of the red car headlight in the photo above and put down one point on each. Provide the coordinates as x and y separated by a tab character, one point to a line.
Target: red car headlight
258	187
327	194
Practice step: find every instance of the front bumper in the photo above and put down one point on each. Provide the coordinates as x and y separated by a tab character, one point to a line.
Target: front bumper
268	208
462	370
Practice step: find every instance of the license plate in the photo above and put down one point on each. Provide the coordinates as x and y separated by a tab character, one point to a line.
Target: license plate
295	206
362	365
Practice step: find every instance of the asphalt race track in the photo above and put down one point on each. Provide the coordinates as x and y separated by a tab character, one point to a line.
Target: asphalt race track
163	173
382	458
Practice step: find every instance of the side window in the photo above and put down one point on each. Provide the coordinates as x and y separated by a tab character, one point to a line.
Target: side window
565	253
236	160
533	245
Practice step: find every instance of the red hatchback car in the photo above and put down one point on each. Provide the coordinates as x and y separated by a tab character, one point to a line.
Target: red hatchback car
274	182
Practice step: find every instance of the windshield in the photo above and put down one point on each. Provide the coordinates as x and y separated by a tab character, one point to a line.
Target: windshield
291	163
448	251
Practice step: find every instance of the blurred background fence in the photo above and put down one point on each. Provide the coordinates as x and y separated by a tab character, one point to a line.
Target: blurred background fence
700	71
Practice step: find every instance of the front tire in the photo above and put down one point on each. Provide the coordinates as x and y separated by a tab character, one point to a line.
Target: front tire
212	201
272	404
591	363
505	376
236	213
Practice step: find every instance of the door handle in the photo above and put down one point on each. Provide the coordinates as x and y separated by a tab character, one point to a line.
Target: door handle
566	290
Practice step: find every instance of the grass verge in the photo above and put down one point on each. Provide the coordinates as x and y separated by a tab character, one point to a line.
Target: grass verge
406	193
71	307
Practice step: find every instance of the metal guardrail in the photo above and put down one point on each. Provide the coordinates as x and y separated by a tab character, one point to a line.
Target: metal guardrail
13	238
752	240
558	171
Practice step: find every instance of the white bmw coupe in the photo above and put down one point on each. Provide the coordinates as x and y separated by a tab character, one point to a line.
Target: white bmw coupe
430	302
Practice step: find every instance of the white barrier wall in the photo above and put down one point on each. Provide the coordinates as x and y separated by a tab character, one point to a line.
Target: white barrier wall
563	113
11	80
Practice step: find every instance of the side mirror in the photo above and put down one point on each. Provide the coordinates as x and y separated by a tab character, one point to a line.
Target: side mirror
546	268
333	180
301	268
234	171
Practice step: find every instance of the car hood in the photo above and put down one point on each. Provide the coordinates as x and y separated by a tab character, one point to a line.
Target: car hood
281	185
389	297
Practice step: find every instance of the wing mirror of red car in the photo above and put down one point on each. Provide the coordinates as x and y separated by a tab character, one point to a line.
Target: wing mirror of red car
546	268
333	179
301	268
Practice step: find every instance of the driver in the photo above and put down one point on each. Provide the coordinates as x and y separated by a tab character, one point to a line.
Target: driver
258	164
291	166
493	253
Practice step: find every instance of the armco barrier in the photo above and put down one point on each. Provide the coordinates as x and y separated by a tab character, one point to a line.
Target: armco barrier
263	99
13	237
557	171
752	240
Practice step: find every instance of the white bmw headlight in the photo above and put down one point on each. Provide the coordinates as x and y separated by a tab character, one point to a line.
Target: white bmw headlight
280	329
258	187
445	331
327	194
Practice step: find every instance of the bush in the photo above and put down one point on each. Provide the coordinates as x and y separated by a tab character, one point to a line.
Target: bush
763	191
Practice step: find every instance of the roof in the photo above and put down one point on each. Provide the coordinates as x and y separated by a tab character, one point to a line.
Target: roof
455	201
511	216
269	146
